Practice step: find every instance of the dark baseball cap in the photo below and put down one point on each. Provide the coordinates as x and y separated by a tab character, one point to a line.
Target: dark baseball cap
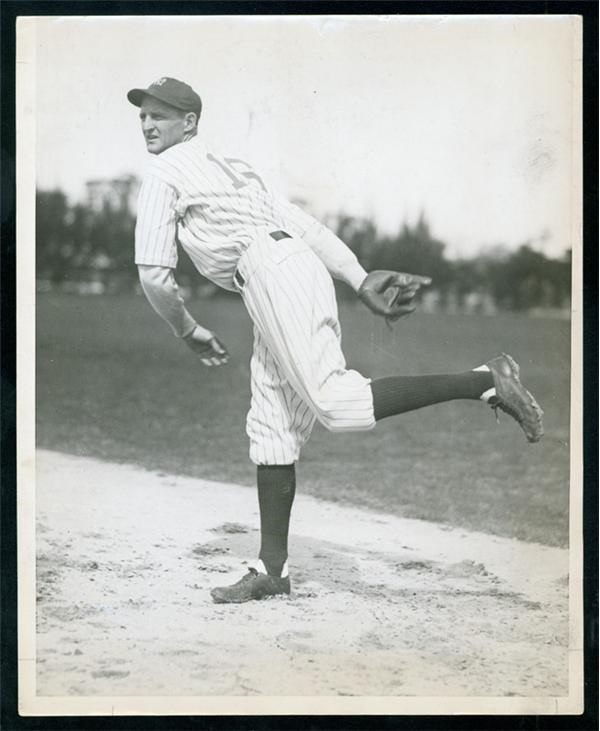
170	91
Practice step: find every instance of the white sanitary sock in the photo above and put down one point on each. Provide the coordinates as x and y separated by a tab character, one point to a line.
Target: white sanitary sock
486	395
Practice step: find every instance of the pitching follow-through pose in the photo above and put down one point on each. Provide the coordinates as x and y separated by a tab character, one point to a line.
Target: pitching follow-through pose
246	238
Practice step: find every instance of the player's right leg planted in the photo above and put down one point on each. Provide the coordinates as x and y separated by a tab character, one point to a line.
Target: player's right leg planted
276	490
278	424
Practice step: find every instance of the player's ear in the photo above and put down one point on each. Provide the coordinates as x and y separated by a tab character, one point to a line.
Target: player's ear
190	121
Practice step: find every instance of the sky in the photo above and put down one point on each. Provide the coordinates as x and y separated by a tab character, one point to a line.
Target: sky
471	120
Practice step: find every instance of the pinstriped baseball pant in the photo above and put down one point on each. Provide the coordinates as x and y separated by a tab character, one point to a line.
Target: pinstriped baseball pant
298	370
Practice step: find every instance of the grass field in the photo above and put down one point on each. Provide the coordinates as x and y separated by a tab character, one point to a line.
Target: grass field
112	382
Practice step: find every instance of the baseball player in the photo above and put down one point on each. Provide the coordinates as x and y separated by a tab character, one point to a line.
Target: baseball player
246	238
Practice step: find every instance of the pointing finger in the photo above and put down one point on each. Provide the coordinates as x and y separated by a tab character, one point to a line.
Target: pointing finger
420	281
411	280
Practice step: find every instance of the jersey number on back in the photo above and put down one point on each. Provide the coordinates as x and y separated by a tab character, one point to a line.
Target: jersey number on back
231	167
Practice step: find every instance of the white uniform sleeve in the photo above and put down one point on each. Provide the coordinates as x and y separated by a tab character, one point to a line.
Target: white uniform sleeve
156	226
341	262
161	289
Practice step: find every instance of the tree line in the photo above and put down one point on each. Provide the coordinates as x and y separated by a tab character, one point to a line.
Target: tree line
94	243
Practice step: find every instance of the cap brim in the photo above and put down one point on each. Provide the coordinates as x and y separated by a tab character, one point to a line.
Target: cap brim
136	96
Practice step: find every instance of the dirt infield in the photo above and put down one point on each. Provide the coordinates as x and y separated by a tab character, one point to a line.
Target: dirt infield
380	606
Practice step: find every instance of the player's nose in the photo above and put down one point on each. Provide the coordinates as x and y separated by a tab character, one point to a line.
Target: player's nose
147	124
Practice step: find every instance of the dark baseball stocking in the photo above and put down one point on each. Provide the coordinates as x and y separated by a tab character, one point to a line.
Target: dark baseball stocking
276	490
399	394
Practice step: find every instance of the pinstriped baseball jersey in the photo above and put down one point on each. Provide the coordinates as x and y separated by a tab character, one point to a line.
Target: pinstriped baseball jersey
222	214
212	205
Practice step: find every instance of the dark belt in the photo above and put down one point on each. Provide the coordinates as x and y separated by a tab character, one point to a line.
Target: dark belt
277	235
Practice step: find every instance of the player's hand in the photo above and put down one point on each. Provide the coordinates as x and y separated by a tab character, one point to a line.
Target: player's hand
391	294
207	346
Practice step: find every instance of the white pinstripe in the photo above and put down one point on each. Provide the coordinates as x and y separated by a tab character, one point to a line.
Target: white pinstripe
222	216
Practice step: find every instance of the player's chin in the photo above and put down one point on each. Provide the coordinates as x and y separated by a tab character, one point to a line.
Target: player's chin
154	146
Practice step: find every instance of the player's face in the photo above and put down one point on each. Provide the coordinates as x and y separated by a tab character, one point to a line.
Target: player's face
163	125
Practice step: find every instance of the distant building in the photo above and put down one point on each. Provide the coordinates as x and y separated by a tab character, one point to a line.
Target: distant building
119	193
